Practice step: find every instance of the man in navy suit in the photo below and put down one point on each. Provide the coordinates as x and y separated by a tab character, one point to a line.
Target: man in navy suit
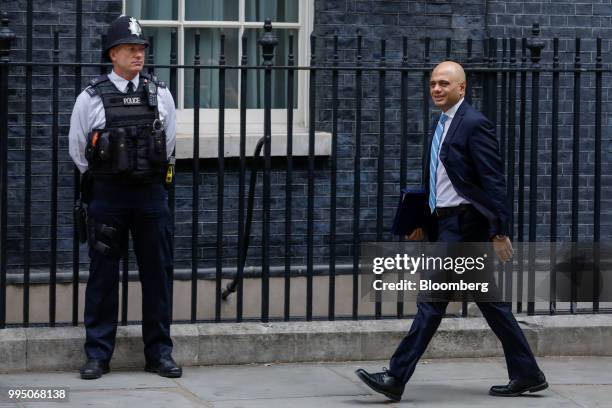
466	202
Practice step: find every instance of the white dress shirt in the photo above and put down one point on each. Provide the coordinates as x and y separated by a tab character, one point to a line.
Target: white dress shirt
88	114
446	195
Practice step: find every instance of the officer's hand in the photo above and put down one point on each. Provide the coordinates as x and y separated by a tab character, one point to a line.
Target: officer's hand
417	235
503	249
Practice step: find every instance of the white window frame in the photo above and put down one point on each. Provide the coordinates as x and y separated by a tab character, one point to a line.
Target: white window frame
209	118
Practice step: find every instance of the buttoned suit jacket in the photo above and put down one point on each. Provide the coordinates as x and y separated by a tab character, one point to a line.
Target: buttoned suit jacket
470	155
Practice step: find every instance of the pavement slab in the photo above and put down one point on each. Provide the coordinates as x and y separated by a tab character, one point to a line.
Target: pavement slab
306	402
267	381
164	398
577	370
575	382
72	380
591	396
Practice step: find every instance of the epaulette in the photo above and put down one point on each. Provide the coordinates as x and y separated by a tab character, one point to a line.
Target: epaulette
91	89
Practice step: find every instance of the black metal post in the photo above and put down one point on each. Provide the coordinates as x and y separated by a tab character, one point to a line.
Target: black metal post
504	103
173	70
27	202
425	102
508	284
289	180
486	82
195	203
403	150
333	183
535	47
220	182
242	174
470	75
125	273
311	168
357	179
597	193
521	176
380	184
493	81
151	62
268	42
575	172
76	173
6	37
554	167
54	180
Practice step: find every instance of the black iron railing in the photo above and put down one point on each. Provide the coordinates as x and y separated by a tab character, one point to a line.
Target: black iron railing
500	86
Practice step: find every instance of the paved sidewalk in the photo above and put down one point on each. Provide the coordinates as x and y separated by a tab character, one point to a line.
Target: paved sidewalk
574	382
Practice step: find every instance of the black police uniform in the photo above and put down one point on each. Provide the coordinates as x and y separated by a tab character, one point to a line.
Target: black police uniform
127	162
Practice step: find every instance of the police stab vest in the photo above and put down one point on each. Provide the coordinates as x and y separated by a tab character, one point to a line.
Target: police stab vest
132	146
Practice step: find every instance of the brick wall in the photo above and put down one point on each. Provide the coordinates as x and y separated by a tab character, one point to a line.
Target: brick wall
375	19
566	20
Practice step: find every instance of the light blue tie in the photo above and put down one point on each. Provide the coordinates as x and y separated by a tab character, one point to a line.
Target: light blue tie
434	160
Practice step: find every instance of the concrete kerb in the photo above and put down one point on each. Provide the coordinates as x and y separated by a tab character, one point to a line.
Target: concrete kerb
61	348
578	335
13	350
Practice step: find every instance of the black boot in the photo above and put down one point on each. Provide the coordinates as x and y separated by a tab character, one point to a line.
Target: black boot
94	369
166	367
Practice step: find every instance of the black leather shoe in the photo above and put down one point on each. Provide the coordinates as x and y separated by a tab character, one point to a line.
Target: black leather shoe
94	369
520	386
383	383
166	367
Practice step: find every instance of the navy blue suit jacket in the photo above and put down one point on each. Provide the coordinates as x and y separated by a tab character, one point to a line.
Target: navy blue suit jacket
470	154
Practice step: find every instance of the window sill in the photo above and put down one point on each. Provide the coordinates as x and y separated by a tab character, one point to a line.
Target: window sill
209	142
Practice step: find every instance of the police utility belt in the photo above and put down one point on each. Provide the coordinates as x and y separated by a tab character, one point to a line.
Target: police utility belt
132	147
122	150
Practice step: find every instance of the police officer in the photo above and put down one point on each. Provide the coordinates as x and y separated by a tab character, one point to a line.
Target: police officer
122	133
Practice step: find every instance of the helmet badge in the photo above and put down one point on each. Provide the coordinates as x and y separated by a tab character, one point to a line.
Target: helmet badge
135	27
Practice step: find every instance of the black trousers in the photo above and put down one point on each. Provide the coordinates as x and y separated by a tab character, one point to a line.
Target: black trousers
143	211
469	226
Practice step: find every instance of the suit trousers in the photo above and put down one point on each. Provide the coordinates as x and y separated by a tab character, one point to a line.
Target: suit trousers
469	226
143	211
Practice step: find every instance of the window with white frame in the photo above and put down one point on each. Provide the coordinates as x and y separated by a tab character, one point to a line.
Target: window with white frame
233	19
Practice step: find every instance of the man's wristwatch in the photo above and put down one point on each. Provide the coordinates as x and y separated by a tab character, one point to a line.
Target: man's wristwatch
499	237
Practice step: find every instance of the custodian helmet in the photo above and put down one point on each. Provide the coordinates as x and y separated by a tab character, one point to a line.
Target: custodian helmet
124	30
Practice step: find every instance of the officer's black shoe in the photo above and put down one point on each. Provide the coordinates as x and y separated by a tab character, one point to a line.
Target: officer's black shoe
520	386
383	383
166	367
94	369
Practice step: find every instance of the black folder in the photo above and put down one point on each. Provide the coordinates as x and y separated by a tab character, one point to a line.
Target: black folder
410	213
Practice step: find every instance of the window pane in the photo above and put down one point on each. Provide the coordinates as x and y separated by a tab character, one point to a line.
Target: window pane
255	94
284	11
152	9
160	40
210	49
211	10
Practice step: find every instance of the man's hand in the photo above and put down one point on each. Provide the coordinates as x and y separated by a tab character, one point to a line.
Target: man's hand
503	248
417	235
